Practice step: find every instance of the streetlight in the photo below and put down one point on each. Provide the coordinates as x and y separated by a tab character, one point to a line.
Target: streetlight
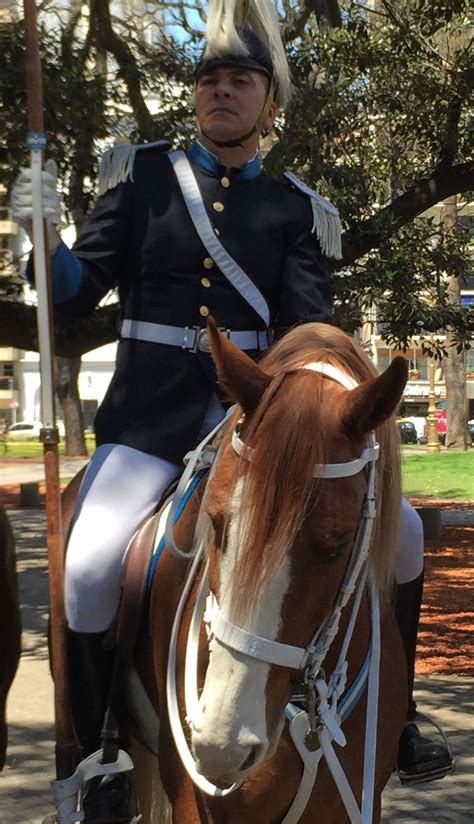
432	444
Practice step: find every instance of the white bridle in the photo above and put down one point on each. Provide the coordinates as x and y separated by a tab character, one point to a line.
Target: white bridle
307	658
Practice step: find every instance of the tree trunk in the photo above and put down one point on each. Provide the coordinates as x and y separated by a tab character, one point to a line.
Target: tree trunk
67	373
454	363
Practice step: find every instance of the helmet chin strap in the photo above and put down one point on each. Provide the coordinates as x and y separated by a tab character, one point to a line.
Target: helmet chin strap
257	128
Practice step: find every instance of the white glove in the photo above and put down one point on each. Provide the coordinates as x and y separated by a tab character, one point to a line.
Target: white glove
22	201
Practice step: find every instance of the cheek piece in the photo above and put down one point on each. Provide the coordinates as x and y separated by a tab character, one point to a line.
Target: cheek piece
257	128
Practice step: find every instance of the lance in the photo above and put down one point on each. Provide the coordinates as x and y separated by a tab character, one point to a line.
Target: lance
36	143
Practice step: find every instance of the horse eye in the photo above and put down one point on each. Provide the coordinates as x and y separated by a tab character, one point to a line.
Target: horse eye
340	545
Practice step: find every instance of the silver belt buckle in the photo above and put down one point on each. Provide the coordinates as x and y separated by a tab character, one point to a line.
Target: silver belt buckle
202	341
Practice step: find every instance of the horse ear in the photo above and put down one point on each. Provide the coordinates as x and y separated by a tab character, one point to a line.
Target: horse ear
371	403
241	379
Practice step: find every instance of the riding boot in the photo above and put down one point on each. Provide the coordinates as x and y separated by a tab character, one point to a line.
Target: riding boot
419	758
112	799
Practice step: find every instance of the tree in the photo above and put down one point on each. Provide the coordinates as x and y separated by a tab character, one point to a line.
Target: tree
378	123
454	361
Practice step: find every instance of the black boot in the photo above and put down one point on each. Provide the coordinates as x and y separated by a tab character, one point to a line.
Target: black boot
112	799
419	758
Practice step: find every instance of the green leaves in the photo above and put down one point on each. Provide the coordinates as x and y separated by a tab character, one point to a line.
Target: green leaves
380	124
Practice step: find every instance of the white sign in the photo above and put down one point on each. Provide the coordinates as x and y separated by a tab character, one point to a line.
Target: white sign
417	391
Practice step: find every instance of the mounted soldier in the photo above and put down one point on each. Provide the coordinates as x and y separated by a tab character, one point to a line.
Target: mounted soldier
184	235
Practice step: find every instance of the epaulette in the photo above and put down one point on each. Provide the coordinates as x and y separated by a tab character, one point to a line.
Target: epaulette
326	221
116	166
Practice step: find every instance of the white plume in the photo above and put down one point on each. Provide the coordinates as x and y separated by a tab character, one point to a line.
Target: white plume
259	15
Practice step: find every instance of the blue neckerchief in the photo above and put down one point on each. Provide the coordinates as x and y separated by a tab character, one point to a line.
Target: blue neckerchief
209	162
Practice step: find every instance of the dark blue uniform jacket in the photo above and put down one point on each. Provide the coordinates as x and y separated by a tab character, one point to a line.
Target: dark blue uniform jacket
141	239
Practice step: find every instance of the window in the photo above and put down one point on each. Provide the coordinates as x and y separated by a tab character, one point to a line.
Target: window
5	255
5	211
22	427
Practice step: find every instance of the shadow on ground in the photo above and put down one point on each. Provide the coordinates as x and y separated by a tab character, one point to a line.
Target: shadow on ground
32	574
24	783
450	702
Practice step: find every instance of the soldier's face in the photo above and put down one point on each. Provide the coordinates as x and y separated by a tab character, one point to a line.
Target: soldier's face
229	101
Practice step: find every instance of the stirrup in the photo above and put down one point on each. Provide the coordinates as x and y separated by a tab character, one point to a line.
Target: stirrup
67	793
430	770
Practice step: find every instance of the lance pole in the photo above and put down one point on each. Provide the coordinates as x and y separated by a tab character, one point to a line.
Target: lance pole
36	143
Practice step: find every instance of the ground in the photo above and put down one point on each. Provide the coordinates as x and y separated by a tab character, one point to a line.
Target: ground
446	638
444	679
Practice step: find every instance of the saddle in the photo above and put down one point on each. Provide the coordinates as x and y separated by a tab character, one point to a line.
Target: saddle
140	566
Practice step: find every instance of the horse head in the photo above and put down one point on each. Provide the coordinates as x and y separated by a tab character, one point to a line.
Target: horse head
280	534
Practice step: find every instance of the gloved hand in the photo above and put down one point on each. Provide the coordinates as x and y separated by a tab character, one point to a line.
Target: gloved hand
22	201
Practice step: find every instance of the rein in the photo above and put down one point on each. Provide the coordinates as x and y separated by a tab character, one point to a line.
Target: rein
312	730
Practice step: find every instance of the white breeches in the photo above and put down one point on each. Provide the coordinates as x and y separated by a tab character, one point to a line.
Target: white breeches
120	489
409	560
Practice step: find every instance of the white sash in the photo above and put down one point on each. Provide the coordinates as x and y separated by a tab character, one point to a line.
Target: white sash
198	214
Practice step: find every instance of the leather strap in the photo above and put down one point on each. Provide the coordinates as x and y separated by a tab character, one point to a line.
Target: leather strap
254	646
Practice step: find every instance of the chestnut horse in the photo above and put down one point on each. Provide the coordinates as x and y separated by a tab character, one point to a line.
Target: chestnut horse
10	623
284	509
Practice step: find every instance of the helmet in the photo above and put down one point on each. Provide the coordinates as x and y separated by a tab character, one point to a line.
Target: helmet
257	57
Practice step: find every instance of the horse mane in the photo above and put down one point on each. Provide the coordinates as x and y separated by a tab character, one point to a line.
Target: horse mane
279	480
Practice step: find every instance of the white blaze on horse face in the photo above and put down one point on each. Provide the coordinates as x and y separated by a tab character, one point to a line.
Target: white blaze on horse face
232	728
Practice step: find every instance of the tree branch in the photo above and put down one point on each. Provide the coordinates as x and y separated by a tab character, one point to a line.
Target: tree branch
428	191
72	337
129	71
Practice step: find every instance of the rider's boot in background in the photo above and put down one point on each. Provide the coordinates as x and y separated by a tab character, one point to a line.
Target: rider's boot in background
112	799
419	758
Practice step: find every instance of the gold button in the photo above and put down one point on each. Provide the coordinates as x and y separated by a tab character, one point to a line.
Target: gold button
208	263
225	182
206	282
216	231
203	311
218	206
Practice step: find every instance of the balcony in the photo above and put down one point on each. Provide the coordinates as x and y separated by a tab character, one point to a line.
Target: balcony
8	227
9	395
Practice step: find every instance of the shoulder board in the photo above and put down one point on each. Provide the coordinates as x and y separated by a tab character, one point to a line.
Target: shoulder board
326	221
116	166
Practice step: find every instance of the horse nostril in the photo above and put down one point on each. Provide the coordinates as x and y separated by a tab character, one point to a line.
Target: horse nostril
251	758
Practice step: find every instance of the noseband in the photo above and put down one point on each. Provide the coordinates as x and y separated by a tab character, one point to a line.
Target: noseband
324	723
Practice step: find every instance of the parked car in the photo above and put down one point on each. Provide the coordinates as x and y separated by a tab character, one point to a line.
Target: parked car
407	430
29	431
24	431
442	435
470	427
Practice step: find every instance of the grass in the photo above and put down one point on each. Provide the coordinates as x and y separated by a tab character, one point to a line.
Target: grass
34	449
442	475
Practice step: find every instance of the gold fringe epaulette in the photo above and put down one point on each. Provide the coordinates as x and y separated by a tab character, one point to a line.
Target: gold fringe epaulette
326	221
116	166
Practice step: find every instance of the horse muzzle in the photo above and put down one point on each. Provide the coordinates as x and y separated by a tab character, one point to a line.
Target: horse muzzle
226	762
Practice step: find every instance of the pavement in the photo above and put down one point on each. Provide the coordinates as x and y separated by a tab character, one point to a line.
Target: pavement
26	470
24	783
